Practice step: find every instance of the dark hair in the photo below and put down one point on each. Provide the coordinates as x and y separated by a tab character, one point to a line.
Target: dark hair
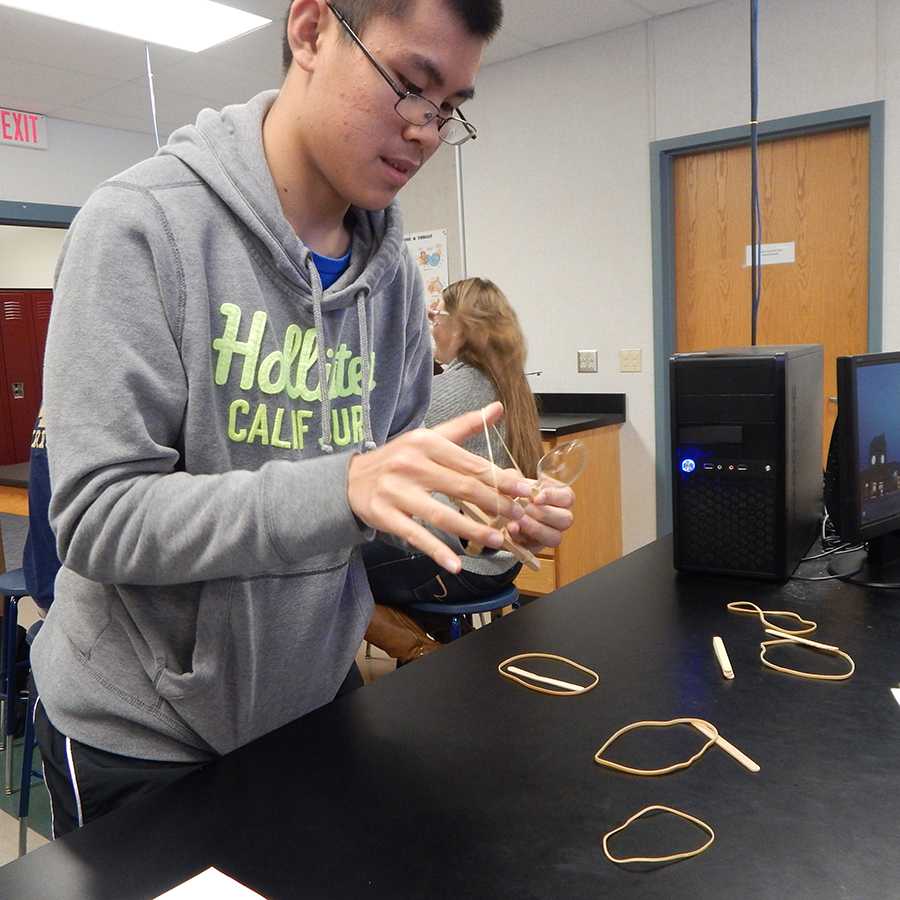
480	17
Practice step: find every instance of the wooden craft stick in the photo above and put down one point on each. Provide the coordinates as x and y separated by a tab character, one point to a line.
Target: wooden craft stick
727	746
526	557
722	657
801	640
544	680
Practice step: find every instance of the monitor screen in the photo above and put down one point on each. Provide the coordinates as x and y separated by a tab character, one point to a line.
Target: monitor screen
878	441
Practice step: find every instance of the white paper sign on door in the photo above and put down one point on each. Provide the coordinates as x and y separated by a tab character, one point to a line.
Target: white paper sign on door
772	254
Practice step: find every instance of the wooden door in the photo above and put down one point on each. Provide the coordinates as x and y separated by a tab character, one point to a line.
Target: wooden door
814	192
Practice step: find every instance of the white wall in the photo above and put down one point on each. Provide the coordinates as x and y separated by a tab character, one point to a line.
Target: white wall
78	159
430	201
557	192
28	256
557	187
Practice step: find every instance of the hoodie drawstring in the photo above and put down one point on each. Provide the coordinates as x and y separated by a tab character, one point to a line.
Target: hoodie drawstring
324	388
366	367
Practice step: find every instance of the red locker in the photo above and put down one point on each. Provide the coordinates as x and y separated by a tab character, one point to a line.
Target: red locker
41	303
7	449
23	333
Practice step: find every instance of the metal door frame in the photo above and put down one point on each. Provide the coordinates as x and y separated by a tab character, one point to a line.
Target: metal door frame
662	154
39	215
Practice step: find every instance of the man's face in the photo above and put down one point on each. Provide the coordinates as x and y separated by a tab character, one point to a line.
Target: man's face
361	146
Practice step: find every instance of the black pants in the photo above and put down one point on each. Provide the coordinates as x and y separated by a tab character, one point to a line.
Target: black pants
85	783
398	578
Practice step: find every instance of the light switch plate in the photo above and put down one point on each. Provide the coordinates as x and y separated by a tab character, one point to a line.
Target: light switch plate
629	360
587	361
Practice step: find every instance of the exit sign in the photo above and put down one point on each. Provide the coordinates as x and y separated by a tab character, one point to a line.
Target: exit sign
23	129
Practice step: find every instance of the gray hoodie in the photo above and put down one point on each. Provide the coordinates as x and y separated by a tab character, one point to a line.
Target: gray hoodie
210	589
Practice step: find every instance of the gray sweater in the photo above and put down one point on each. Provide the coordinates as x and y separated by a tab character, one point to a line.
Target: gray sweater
206	394
460	389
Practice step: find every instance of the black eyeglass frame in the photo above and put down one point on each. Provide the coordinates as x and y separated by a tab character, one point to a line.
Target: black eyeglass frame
403	94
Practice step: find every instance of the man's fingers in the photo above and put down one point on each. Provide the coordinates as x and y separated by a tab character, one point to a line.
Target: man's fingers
562	497
421	539
453	521
466	468
540	532
465	426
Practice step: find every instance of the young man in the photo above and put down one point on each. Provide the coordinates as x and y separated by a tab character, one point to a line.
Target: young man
237	366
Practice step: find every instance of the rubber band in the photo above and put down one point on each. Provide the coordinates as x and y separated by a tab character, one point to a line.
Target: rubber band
813	676
658	859
541	690
712	734
745	607
487	438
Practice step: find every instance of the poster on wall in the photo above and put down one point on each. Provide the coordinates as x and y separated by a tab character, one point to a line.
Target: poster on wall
429	250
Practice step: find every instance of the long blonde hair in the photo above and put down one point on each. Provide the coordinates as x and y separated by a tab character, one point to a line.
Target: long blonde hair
493	343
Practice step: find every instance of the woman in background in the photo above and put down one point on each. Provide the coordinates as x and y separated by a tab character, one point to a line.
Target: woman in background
478	340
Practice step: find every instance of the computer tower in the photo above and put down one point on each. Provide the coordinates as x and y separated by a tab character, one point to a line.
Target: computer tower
746	458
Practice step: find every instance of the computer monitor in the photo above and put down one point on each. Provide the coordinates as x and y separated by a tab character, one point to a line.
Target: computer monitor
862	480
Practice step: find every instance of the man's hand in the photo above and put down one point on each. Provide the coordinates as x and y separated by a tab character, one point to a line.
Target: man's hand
390	486
547	516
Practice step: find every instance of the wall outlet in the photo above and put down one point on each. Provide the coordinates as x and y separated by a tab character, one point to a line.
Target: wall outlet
587	360
629	360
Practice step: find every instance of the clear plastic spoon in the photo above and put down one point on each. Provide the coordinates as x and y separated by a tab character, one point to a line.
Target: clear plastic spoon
561	466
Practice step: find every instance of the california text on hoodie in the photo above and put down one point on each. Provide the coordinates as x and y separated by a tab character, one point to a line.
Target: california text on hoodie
211	588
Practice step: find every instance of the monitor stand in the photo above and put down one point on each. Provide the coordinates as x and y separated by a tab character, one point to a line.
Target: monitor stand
880	569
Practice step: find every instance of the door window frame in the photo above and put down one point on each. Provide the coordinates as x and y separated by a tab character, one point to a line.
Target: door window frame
39	215
662	155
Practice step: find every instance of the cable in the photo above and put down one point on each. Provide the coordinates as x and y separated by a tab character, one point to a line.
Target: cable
755	221
152	95
830	577
841	548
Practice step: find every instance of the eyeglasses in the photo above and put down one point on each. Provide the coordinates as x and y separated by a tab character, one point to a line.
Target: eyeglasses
414	108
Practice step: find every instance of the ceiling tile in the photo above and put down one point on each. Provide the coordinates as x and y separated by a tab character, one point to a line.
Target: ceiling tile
664	7
41	39
272	9
18	102
133	99
106	119
260	48
54	67
506	46
232	72
60	87
545	24
218	82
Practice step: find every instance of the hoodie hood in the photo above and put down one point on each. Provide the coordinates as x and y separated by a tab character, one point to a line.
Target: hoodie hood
225	150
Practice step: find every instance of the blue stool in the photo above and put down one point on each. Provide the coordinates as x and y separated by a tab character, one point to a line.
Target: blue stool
456	611
12	588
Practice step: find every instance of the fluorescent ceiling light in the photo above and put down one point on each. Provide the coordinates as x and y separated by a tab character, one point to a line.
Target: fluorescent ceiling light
186	24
